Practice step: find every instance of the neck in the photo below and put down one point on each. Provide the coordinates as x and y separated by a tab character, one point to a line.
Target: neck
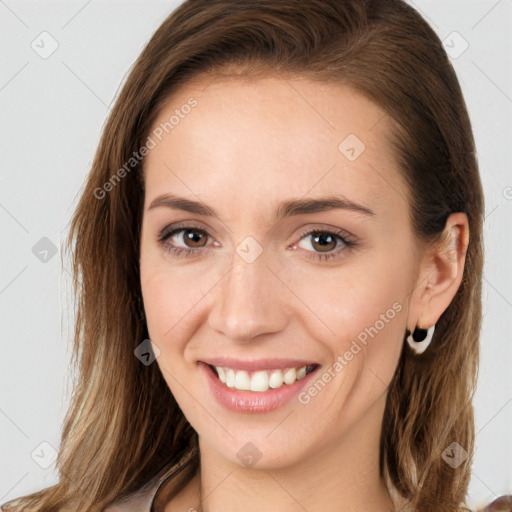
342	476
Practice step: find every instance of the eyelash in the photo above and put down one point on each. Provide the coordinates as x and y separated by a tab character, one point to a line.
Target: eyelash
191	253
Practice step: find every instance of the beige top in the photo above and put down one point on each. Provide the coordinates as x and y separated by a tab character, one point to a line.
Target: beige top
142	500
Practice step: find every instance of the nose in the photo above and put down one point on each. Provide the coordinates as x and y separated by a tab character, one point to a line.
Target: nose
248	302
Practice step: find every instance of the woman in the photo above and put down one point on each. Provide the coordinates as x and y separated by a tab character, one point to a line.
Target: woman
330	363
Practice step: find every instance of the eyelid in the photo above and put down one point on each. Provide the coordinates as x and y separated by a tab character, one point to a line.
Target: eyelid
342	233
167	230
173	229
349	241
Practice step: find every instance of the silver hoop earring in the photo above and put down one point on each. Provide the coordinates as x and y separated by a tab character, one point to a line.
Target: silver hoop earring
420	339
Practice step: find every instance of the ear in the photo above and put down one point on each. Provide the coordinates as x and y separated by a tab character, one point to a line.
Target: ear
440	274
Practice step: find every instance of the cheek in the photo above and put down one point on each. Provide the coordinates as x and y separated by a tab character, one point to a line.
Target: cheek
166	300
163	294
358	310
160	305
174	298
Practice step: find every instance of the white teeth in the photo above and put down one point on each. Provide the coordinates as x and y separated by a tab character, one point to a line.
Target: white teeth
222	374
242	380
276	379
259	381
301	373
230	378
290	376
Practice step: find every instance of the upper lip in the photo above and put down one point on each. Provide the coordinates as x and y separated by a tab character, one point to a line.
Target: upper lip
256	364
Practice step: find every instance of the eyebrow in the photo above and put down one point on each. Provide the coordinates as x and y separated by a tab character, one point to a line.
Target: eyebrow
284	209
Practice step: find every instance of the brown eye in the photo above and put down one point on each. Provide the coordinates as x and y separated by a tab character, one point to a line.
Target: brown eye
323	242
194	238
184	240
324	245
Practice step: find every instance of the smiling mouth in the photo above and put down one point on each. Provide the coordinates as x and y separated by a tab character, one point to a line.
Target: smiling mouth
261	380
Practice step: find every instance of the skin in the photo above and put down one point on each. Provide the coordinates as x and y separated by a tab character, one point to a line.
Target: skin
246	146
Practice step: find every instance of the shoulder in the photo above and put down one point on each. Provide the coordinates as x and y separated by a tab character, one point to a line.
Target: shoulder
143	499
139	501
134	503
501	504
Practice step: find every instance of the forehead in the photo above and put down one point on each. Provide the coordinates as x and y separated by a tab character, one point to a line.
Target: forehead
256	141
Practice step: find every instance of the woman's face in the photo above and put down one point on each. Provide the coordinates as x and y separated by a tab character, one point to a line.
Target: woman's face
245	266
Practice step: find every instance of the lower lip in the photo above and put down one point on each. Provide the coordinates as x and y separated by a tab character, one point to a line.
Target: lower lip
251	401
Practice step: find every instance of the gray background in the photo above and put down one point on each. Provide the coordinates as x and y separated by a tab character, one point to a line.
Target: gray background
52	110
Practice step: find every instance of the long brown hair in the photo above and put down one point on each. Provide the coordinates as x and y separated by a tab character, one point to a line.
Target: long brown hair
123	425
